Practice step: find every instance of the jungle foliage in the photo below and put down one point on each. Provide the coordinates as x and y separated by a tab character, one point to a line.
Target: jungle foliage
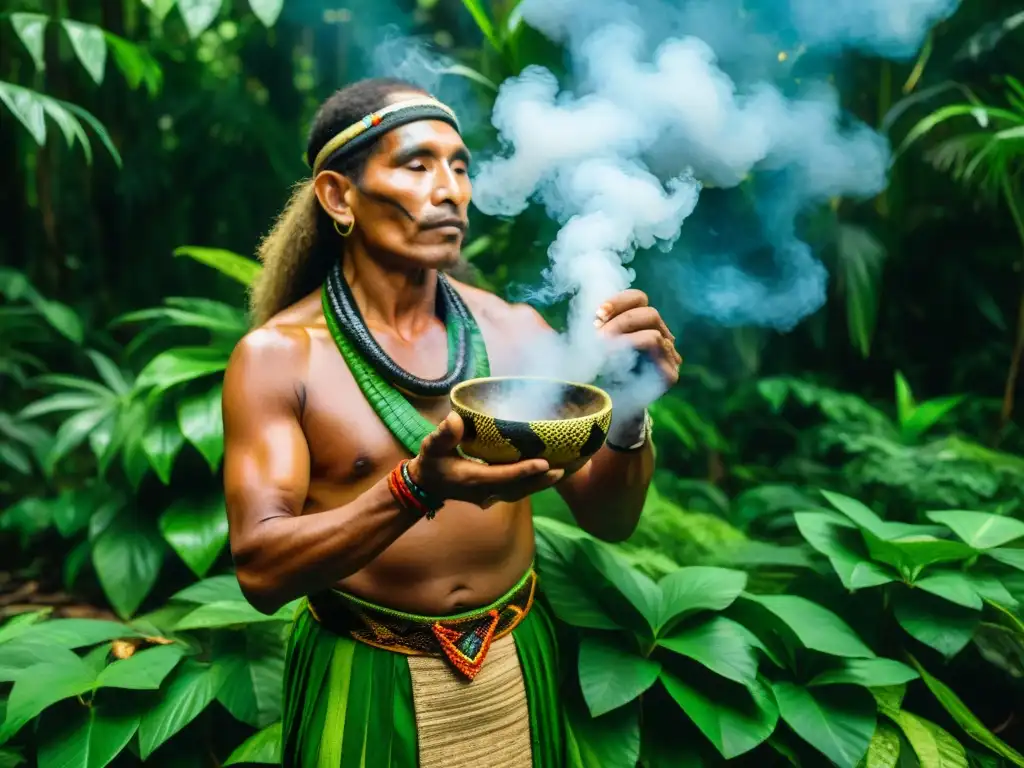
830	565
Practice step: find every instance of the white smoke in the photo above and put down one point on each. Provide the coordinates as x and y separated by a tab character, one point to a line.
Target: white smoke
617	156
892	28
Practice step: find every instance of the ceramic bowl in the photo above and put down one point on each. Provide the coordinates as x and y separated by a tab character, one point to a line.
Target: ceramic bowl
512	418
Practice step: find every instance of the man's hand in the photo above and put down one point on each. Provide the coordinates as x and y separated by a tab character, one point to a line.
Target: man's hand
441	472
629	317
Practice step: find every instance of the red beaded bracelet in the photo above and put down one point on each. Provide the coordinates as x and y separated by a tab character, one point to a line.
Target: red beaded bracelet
412	498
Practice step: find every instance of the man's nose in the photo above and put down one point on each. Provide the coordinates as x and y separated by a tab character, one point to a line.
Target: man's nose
447	188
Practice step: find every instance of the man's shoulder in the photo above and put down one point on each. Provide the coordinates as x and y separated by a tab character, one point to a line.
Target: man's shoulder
283	340
496	311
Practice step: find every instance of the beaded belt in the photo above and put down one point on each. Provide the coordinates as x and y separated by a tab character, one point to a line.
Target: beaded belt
463	639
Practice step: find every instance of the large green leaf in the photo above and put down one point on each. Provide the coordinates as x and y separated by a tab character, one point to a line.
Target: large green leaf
935	748
954	586
859	513
60	316
27	106
941	625
889	698
162	443
980	530
136	64
19	624
43	685
200	420
572	600
190	691
697	588
31	30
838	541
74	431
215	589
267	11
198	14
612	675
88	737
993	590
230	614
838	723
636	587
928	414
966	719
74	633
89	45
178	365
159	8
17	656
127	557
610	741
131	428
1008	556
196	530
252	664
734	719
816	627
869	673
143	671
233	265
719	644
31	109
884	749
64	401
912	554
263	747
73	509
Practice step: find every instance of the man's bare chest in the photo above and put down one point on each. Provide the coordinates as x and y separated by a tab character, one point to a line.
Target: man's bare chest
349	444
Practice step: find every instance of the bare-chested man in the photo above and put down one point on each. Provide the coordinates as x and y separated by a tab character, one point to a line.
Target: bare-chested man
421	639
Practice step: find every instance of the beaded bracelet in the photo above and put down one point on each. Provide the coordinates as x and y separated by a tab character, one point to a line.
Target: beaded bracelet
410	495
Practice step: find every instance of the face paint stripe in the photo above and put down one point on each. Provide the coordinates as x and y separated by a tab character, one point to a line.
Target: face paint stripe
385	200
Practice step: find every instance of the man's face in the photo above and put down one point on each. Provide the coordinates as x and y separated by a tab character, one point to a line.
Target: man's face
413	198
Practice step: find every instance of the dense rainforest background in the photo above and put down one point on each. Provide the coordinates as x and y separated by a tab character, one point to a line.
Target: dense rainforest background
830	567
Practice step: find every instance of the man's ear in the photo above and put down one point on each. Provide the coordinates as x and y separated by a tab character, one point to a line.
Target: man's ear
334	192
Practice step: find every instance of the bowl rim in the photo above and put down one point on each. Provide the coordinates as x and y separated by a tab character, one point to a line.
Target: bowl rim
606	399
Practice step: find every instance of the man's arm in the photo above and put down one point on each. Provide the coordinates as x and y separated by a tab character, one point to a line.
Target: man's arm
606	496
280	555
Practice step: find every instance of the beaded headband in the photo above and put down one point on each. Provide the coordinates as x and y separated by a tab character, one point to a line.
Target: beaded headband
360	134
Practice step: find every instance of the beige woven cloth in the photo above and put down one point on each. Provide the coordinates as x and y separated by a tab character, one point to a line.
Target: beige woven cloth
462	721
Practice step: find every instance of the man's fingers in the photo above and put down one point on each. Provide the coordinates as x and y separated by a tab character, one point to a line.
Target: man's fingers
443	440
619	303
483	475
648	340
632	320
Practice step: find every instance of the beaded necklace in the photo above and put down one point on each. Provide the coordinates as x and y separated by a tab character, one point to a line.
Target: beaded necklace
380	379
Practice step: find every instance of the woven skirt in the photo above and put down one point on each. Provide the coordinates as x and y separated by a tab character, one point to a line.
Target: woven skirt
368	687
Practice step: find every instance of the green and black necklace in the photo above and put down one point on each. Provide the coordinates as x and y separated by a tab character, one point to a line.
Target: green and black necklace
381	380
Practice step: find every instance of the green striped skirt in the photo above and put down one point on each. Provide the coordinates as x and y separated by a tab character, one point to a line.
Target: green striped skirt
352	703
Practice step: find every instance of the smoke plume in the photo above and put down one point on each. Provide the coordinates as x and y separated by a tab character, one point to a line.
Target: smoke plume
663	98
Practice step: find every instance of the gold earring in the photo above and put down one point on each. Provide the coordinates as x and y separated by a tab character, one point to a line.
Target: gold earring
345	232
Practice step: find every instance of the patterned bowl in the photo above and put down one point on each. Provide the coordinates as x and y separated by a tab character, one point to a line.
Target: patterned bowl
511	418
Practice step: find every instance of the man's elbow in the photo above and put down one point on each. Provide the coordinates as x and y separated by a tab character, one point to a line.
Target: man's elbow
259	587
258	594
